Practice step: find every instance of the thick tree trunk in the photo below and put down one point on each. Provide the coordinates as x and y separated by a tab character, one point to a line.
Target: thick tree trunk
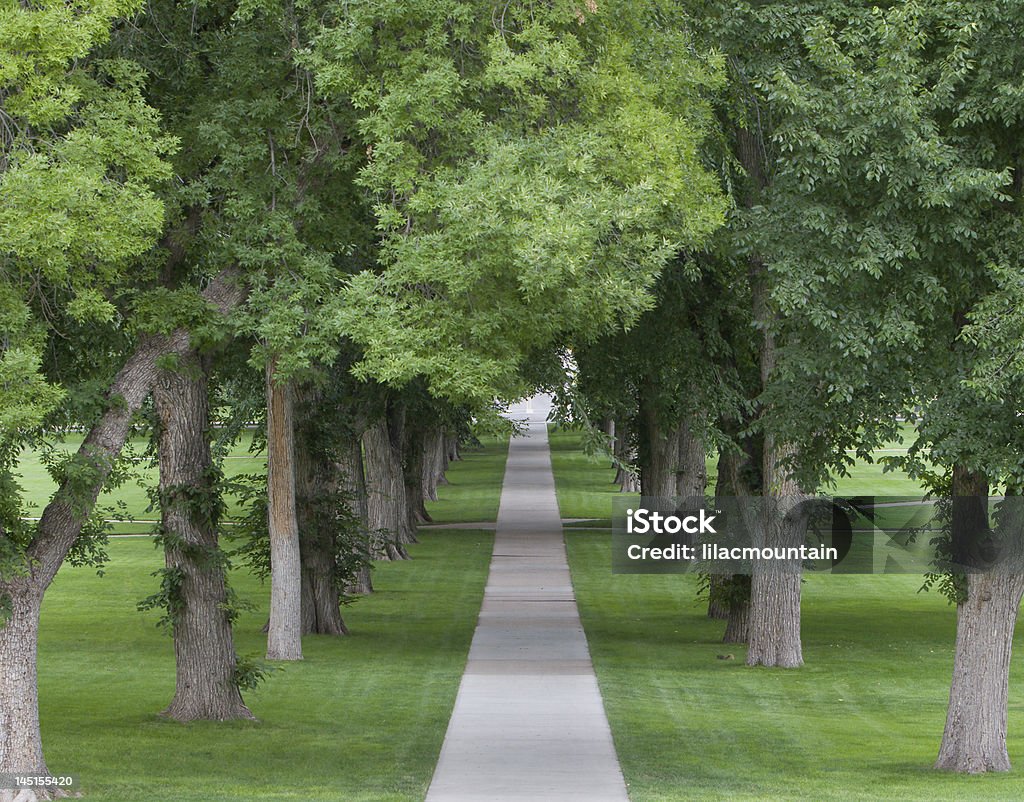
21	748
407	517
452	446
385	493
284	635
737	628
974	739
61	524
353	484
691	465
775	584
658	451
435	463
321	601
204	650
414	447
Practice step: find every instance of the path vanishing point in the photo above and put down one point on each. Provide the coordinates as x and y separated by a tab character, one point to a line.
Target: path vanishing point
528	722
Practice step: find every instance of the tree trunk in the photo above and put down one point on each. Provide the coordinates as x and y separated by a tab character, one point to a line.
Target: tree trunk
658	451
452	446
204	649
353	484
321	601
718	609
435	463
414	447
737	628
60	526
284	635
974	739
21	747
385	493
407	513
691	466
775	584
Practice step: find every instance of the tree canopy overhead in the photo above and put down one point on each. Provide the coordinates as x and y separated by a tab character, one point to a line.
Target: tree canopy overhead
533	168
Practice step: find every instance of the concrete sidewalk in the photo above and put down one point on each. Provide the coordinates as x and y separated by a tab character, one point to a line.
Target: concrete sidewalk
528	722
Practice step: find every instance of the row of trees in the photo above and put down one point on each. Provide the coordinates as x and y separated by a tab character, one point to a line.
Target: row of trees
357	222
763	229
869	269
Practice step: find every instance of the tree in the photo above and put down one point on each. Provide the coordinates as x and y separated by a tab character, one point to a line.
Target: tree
905	192
195	592
532	176
79	150
266	181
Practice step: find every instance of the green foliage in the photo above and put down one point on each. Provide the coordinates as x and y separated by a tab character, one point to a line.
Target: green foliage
531	177
730	591
251	672
332	517
168	599
80	152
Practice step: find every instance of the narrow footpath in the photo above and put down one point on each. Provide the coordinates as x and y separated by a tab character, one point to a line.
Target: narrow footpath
528	722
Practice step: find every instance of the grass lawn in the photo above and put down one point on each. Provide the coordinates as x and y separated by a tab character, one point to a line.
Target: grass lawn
475	482
131	497
361	718
862	720
586	488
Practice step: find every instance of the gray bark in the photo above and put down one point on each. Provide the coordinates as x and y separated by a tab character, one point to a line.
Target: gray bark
61	523
658	450
974	738
774	623
452	446
435	463
385	492
737	628
284	634
410	493
21	747
204	650
691	465
414	448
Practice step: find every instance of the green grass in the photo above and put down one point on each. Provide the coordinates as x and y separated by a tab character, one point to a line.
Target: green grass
130	497
586	488
861	721
360	718
476	480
